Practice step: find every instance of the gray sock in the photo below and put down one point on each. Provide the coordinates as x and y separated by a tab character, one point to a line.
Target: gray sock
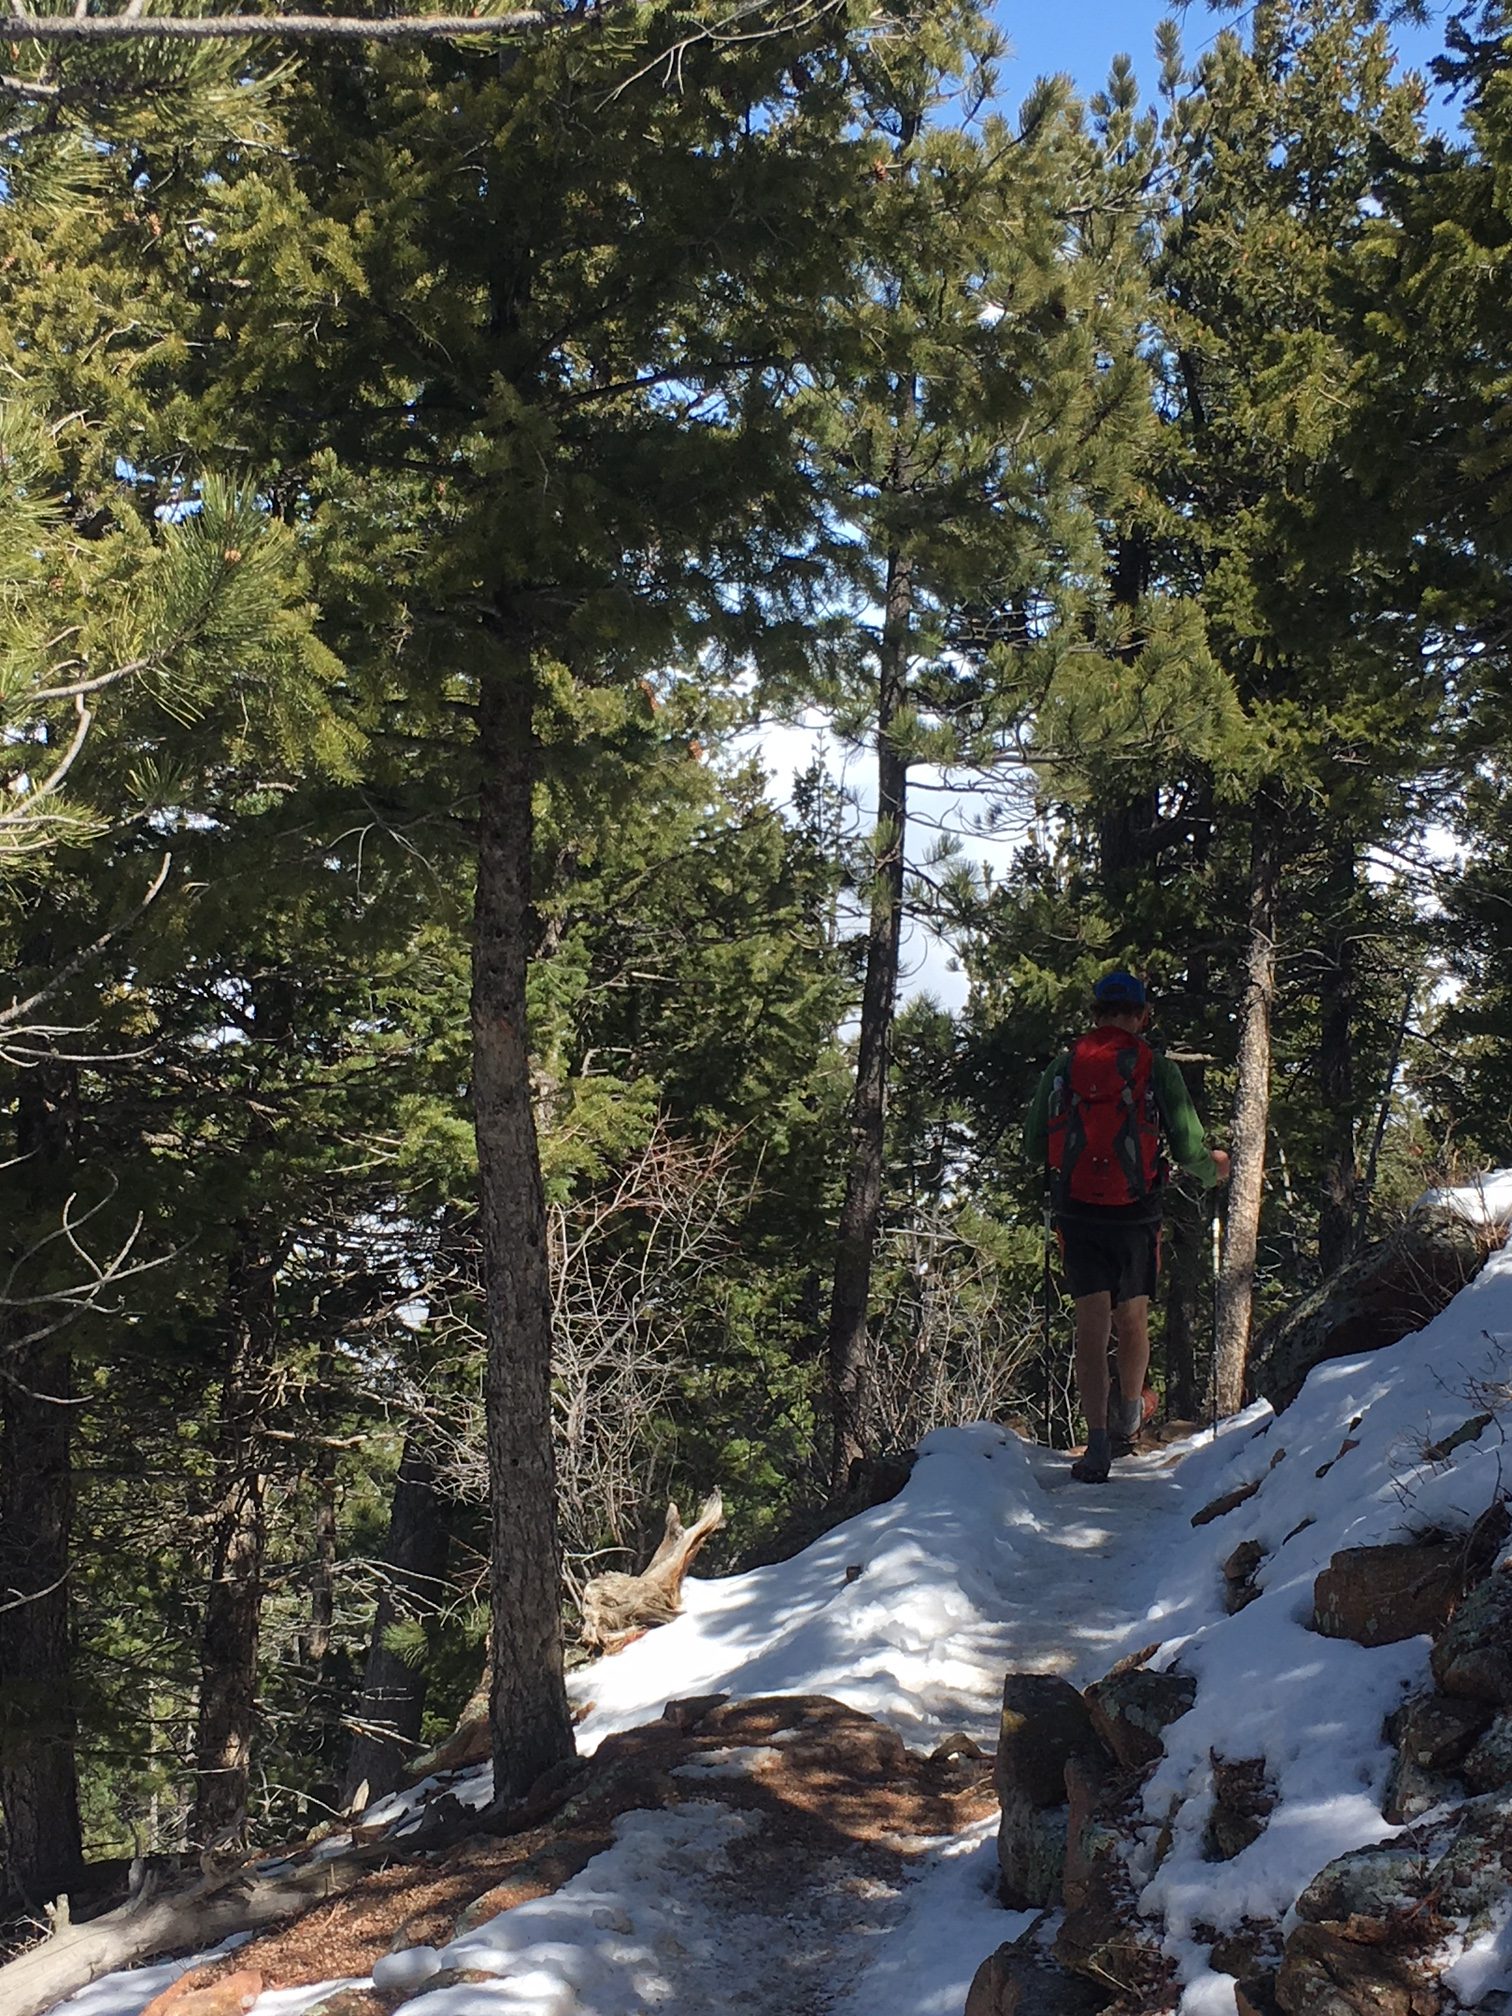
1126	1417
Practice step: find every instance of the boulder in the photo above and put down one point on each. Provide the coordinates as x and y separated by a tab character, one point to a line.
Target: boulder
1325	1974
1230	1501
1380	1595
1088	1834
1437	1731
1366	1884
1473	1659
1243	1799
1488	1767
1013	1980
1239	1589
1130	1710
1031	1853
1102	1934
1044	1724
1460	1867
232	1995
1391	1289
1412	1791
1470	1880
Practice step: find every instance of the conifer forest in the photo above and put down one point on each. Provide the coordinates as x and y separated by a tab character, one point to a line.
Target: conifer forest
458	1094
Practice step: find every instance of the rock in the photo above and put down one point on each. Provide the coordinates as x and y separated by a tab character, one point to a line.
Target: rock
1381	1595
1031	1853
231	1995
1088	1835
1437	1732
1459	1867
1129	1711
1107	1940
1044	1723
1243	1799
1470	1879
1412	1791
1389	1290
1474	1657
355	2002
1255	1995
1011	1980
691	1709
1239	1576
1369	1883
1325	1974
1468	1431
1488	1767
1229	1502
1102	1934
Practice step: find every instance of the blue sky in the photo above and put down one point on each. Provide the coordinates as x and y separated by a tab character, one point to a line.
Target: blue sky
1081	36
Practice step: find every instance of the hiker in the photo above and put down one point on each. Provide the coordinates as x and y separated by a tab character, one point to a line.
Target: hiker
1096	1126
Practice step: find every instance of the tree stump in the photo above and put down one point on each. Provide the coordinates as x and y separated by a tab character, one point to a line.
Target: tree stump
617	1608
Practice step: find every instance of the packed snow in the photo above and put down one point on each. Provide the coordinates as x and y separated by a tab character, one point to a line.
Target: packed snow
991	1559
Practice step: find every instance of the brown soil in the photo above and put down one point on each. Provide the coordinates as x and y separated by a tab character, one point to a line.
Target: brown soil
835	1791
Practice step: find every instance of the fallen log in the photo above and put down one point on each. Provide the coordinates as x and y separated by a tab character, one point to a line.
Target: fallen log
617	1608
184	1921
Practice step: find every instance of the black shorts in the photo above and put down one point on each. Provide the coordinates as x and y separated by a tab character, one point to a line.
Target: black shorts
1102	1258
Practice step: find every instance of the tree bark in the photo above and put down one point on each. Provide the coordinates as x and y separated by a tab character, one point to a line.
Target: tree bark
393	1691
38	1777
861	1213
233	1602
1236	1281
39	1785
528	1704
1339	1203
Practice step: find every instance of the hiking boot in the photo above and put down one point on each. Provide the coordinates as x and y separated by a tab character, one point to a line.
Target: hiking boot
1093	1468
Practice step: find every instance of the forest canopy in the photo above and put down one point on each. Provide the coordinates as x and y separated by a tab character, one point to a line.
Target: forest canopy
455	1098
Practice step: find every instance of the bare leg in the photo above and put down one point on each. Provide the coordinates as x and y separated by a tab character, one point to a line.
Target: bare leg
1094	1318
1131	1347
1133	1320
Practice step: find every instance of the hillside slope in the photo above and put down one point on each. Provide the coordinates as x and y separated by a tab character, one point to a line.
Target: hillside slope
991	1560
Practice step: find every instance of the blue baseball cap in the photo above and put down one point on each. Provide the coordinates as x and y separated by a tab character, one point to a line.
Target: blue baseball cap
1119	989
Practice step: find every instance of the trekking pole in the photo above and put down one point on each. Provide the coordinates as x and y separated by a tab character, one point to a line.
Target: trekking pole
1049	1287
1217	1270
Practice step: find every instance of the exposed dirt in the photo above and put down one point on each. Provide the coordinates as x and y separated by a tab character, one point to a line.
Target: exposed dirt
841	1809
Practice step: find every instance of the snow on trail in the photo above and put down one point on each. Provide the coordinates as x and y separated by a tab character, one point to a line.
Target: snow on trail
991	1559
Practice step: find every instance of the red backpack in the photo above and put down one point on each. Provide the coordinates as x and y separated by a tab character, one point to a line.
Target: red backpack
1104	1121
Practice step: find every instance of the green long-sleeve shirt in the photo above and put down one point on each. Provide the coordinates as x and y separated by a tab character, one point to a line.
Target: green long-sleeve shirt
1178	1120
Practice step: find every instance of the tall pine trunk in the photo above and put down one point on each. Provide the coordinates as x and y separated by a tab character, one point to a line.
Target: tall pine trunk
393	1690
233	1603
39	1785
1340	1200
861	1213
1236	1281
528	1700
38	1777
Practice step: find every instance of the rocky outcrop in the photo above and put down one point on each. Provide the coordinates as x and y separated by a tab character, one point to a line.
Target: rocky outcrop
1243	1799
1044	1726
1129	1711
1390	1290
1380	1595
1324	1973
1016	1982
1473	1659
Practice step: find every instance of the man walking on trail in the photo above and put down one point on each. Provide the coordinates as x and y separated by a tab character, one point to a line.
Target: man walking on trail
1096	1125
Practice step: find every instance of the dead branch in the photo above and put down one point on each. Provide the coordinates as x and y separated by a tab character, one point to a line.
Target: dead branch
617	1608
